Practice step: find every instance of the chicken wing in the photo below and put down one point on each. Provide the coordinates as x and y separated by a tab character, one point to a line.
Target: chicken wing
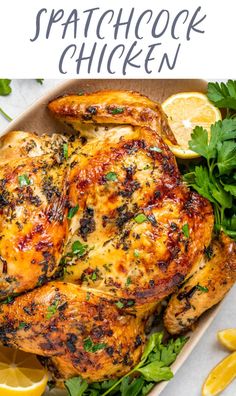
208	284
112	107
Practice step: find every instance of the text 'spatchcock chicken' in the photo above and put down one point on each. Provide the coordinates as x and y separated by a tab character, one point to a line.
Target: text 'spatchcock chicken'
96	228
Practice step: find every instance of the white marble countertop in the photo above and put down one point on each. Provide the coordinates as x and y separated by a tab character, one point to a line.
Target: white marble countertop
189	379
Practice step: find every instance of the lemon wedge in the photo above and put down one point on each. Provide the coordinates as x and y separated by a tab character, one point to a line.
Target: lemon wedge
220	377
21	374
227	338
185	111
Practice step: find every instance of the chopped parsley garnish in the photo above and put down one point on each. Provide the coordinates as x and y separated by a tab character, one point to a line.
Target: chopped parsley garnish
52	309
156	149
72	212
152	368
128	281
116	110
87	296
79	249
65	150
136	253
8	300
202	288
93	276
22	325
89	345
140	218
119	304
111	176
24	180
185	230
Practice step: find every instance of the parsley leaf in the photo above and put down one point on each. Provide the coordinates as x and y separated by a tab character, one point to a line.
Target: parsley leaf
65	151
185	230
116	110
72	212
24	180
40	80
140	218
89	346
52	309
223	95
215	178
76	386
111	176
5	88
202	288
79	249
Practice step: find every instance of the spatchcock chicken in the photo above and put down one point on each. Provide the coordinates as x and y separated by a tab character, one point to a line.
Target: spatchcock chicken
96	229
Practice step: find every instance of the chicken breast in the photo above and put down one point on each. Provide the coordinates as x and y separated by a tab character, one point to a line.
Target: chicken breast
133	208
208	284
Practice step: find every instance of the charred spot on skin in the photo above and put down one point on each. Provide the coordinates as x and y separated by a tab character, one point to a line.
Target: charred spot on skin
87	223
127	361
124	215
152	283
4	265
110	351
138	341
134	146
92	110
177	279
208	252
152	220
4	199
87	117
30	310
71	341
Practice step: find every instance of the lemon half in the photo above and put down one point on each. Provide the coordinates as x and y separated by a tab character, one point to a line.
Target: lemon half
185	111
21	374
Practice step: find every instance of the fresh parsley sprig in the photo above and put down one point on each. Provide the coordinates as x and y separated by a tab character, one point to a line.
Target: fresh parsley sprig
223	95
152	368
216	178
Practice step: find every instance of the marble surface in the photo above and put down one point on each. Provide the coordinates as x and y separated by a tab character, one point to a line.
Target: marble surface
189	379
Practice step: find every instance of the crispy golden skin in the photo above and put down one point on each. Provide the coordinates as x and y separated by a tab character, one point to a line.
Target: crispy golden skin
83	333
111	107
209	283
142	261
33	225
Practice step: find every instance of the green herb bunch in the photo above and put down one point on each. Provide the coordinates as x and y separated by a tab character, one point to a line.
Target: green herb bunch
152	368
215	178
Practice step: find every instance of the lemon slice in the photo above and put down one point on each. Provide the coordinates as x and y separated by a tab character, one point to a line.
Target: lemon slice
21	374
220	377
186	110
228	338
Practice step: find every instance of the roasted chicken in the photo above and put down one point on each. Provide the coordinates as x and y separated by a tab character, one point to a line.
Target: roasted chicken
100	224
